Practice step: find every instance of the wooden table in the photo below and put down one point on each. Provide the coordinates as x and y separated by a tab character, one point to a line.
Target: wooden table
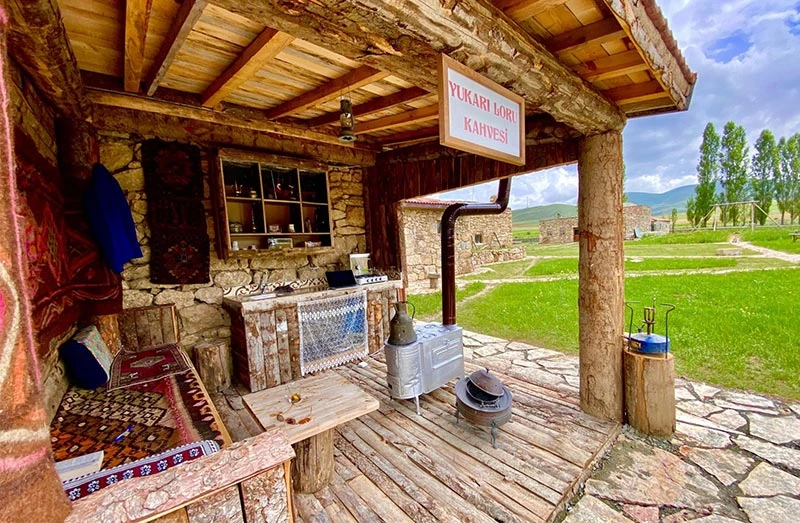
326	400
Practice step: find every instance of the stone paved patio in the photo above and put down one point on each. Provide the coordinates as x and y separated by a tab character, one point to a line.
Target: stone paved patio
734	457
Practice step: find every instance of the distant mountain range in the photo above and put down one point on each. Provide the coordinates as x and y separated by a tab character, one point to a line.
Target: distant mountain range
663	203
660	203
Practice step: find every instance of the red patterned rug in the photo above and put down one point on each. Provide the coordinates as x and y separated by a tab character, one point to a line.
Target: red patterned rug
133	368
161	415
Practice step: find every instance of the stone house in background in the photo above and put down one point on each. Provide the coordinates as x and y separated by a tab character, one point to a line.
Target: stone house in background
479	239
565	230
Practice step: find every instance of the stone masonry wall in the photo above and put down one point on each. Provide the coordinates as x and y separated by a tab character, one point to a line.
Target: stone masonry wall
200	313
637	217
559	230
422	241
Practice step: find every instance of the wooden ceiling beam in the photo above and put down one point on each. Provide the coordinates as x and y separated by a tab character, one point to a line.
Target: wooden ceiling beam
640	108
137	18
188	15
521	10
474	32
408	137
611	66
586	36
203	114
351	80
37	40
266	46
424	114
373	106
633	93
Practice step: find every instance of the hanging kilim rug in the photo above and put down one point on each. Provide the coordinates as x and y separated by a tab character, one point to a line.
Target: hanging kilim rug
179	239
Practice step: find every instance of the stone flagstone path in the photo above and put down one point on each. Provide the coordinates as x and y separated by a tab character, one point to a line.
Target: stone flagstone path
735	456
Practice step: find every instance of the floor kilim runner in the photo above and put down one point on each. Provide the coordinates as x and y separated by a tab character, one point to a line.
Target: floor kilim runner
162	414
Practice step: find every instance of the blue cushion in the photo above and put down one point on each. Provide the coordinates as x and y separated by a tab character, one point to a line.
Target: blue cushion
87	359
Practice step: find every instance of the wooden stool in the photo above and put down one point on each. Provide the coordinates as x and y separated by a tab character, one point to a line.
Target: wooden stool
650	392
214	365
434	278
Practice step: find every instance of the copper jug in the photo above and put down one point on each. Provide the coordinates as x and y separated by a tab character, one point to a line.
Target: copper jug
401	327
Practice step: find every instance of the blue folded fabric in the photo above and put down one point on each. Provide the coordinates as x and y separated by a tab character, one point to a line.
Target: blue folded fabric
110	219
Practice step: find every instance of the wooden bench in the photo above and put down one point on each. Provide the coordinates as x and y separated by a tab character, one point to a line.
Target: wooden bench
325	401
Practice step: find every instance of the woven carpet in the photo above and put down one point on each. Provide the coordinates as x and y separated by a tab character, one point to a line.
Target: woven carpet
133	368
165	413
179	237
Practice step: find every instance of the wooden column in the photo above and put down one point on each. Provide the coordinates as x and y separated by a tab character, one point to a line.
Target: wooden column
312	469
601	285
650	393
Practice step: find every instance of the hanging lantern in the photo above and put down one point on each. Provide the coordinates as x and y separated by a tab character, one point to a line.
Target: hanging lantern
347	122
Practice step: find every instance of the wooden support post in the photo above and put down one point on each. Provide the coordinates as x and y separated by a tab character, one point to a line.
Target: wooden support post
650	393
601	287
214	364
312	469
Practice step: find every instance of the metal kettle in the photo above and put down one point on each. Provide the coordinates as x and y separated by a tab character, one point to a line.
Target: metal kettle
401	327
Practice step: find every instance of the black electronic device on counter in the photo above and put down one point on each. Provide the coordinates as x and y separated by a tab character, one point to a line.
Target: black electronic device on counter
340	279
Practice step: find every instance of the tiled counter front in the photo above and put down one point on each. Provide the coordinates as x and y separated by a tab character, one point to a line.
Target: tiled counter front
265	334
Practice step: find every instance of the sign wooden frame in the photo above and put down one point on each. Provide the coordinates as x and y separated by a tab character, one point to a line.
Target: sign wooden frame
447	64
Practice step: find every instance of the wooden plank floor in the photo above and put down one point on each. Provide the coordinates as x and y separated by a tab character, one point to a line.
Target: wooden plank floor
393	465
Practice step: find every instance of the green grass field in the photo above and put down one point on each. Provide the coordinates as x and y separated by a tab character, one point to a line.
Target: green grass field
736	330
638	248
773	238
428	306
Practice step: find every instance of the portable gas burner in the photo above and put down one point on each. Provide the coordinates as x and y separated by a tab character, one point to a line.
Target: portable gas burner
648	342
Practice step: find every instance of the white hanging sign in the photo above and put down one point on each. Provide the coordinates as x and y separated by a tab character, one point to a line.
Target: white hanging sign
479	116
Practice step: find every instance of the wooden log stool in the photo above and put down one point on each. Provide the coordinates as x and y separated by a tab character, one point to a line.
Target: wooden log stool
214	365
650	392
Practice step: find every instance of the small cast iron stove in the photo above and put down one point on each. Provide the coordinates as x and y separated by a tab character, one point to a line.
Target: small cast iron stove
483	400
425	365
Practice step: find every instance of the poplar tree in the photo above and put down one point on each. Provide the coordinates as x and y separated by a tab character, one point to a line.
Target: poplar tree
708	169
734	166
793	177
766	163
787	182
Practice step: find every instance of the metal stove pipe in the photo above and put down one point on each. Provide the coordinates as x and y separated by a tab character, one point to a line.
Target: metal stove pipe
449	218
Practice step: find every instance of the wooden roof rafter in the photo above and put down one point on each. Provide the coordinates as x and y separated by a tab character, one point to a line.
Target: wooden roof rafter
578	39
611	66
137	17
373	106
335	88
266	46
188	15
521	10
423	114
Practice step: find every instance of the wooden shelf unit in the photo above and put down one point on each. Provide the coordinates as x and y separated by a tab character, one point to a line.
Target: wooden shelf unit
263	192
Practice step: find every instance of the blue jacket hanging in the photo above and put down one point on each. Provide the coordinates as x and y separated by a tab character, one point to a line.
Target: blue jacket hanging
110	219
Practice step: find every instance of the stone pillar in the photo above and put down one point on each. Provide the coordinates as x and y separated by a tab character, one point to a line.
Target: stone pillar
601	287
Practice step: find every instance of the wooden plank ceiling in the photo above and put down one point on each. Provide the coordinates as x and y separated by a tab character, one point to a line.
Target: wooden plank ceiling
220	60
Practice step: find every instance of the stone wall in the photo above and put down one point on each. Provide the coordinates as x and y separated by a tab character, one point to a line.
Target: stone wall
479	240
560	230
557	230
637	217
201	315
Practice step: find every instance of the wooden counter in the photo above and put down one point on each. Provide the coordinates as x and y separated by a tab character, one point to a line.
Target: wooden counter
265	333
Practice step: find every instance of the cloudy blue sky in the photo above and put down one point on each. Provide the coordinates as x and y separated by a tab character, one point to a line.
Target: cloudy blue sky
747	57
